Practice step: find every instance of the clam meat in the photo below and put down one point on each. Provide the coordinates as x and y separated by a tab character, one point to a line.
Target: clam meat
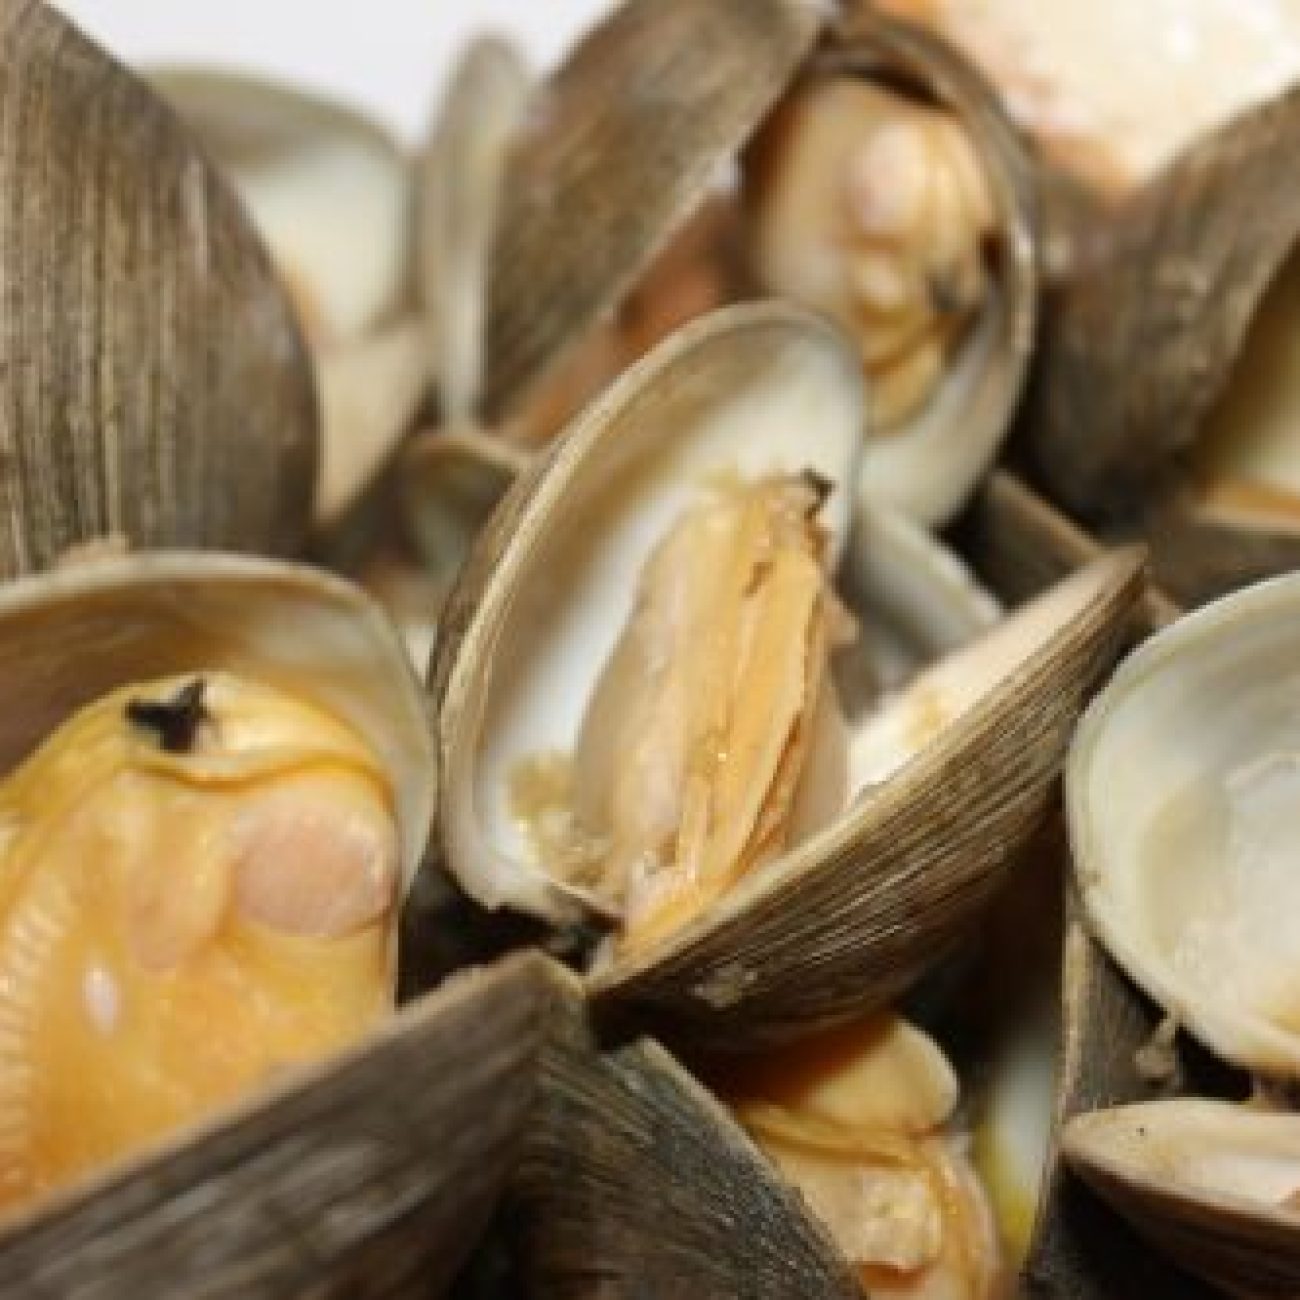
861	1123
889	193
200	867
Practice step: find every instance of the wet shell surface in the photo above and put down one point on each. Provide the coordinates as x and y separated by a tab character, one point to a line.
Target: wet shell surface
158	389
561	560
889	191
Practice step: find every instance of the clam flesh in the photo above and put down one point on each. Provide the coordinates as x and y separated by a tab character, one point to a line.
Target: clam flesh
212	809
888	193
860	1122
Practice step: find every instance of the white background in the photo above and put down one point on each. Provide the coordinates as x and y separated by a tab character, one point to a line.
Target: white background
389	56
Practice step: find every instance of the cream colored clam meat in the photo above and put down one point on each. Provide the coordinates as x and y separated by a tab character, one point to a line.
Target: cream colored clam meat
1114	89
197	881
689	764
873	208
860	1122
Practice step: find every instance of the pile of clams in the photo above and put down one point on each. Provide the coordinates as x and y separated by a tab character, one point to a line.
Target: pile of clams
583	713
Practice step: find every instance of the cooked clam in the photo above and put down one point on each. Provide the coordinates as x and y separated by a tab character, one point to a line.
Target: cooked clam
331	194
1184	882
219	786
693	451
860	1122
156	385
888	192
1213	1184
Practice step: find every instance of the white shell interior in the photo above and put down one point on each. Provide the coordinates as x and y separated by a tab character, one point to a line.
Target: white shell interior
1209	1150
1183	794
562	594
329	194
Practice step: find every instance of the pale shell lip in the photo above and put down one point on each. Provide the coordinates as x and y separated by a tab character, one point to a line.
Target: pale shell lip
1113	1141
117	619
1228	1029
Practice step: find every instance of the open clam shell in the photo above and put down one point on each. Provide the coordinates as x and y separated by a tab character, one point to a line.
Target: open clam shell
817	935
342	1178
631	132
802	168
1210	1183
332	195
1182	876
1192	273
632	1173
372	1175
157	387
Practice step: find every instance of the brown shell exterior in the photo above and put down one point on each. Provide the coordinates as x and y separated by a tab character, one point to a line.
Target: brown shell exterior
371	1176
631	133
1141	337
155	384
634	1182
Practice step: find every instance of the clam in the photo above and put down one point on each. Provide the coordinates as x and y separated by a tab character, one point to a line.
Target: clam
860	1121
371	1175
332	195
743	428
218	786
1183	881
156	383
889	192
637	122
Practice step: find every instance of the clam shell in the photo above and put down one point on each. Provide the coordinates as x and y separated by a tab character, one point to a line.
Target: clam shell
818	936
70	637
1174	276
929	466
370	1175
633	1174
631	132
1174	874
157	386
1179	1171
331	194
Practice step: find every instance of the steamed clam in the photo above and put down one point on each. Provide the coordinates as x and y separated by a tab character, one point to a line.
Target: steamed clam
156	385
332	196
694	452
1184	879
859	1121
888	192
228	796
